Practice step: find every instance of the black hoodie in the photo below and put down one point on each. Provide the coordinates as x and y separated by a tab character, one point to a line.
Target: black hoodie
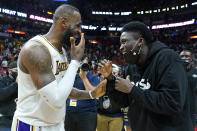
159	100
192	79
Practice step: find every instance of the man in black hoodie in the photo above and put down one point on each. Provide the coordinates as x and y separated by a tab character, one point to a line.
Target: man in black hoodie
159	100
186	56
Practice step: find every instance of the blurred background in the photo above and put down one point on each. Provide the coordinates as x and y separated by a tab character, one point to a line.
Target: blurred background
173	22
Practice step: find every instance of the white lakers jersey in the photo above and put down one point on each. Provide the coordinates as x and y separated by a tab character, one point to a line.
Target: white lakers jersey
31	108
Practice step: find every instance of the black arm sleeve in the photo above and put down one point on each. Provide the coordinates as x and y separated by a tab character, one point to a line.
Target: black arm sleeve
169	94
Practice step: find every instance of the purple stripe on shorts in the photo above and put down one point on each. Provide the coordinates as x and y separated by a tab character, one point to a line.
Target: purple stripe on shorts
23	126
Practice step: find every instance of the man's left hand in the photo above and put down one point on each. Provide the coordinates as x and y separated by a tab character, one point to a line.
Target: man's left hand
123	85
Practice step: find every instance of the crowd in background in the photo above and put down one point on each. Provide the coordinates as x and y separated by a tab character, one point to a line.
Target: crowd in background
105	47
107	42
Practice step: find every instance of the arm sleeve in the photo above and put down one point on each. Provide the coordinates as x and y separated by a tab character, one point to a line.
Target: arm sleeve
169	94
55	94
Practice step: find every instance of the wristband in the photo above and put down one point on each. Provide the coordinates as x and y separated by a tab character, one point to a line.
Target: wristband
90	93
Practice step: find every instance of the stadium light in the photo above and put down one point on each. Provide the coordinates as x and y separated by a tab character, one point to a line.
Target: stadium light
16	32
155	11
164	9
186	5
182	6
93	41
103	28
173	8
116	13
50	13
193	37
194	3
126	13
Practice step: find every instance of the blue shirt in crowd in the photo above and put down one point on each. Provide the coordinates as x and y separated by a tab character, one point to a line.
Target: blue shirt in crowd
83	106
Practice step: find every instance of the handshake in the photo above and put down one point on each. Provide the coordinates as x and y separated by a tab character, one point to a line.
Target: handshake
110	82
113	81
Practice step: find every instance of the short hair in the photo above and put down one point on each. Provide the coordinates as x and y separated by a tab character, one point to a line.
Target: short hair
64	10
186	50
141	29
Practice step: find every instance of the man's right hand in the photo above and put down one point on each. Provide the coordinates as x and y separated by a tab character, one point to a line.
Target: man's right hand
77	52
105	68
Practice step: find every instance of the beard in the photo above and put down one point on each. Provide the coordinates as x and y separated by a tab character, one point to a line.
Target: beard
65	38
131	57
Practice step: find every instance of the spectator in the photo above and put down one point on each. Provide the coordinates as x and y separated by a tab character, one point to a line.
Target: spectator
8	95
5	65
186	55
110	117
81	115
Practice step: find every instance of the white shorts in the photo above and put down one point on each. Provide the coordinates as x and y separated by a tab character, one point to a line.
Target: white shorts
18	125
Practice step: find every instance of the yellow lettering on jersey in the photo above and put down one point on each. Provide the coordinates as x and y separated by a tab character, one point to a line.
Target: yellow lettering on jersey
60	66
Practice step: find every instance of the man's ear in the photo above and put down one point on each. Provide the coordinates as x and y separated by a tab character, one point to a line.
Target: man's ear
64	22
140	42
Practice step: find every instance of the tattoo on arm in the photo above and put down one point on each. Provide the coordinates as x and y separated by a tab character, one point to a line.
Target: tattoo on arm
79	94
37	60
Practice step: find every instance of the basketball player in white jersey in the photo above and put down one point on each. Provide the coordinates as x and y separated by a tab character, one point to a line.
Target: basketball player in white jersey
45	80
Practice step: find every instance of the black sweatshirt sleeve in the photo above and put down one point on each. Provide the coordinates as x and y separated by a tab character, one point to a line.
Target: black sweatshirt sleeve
169	94
119	98
8	90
